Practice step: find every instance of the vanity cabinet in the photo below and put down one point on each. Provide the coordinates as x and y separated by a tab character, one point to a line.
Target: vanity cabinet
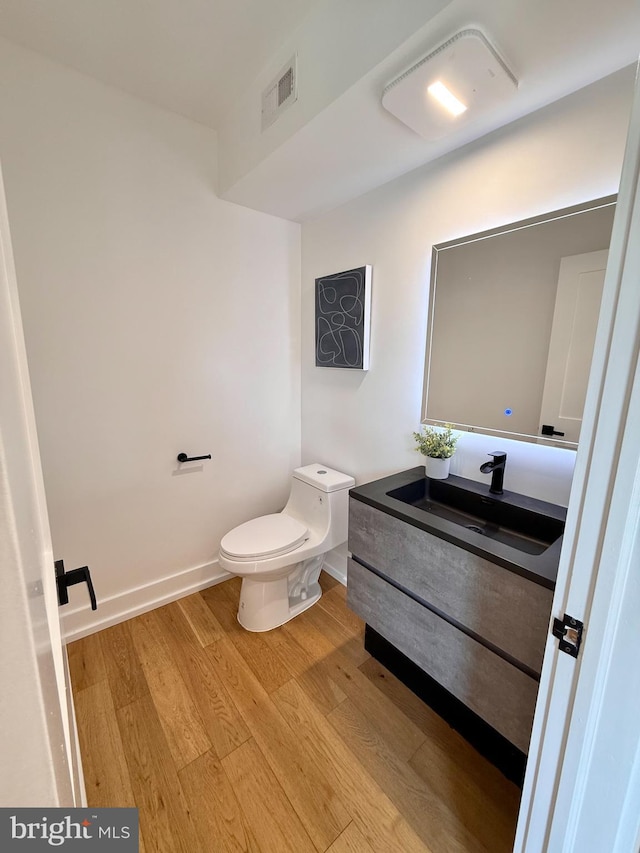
477	628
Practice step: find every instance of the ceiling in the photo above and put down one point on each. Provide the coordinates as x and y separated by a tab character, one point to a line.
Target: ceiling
552	50
199	58
193	57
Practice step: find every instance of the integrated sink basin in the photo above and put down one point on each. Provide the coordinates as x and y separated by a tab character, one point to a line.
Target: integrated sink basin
519	533
525	529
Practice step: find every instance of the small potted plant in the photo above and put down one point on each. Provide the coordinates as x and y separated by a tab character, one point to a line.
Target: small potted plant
437	445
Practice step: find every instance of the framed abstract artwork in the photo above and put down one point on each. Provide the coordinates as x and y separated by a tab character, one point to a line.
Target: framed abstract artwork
342	316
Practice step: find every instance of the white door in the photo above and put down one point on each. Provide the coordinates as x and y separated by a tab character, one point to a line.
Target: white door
582	785
573	334
37	737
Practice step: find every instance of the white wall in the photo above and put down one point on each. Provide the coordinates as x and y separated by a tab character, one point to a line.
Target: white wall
158	319
361	423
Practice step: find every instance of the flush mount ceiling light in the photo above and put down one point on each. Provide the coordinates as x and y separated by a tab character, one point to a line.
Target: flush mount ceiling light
448	100
455	84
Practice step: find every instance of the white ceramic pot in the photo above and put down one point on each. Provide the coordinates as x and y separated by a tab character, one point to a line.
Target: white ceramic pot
437	469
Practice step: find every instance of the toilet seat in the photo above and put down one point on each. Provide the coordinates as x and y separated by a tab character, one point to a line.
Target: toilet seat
267	536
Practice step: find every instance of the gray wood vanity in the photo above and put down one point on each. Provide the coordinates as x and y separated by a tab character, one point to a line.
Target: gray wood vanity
470	610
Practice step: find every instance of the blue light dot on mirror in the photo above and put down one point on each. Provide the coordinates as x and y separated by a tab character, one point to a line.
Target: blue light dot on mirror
508	412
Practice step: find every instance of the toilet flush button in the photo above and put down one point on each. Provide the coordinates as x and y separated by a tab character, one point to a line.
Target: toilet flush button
321	472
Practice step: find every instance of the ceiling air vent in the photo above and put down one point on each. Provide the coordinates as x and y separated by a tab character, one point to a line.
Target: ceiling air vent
280	93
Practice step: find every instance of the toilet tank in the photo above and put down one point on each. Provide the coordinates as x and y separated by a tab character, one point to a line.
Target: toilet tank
320	499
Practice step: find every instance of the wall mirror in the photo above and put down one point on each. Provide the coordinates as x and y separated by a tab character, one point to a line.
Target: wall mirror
512	320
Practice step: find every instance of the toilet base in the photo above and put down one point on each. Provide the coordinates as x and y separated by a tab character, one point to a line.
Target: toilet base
265	605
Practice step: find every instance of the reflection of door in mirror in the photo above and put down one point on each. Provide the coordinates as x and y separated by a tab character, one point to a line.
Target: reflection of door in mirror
573	333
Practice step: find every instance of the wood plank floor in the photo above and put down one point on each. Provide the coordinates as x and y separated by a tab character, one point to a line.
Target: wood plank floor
294	740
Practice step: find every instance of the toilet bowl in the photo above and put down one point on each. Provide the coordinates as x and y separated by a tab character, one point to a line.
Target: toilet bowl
279	556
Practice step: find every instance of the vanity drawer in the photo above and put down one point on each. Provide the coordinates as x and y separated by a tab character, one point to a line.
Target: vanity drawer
501	694
507	610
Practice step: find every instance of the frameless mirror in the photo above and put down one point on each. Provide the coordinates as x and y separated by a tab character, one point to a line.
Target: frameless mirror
512	321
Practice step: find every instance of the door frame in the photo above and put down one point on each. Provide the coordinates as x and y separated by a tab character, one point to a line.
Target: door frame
578	735
41	761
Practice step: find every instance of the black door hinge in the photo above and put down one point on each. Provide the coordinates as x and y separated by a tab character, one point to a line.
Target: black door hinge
569	631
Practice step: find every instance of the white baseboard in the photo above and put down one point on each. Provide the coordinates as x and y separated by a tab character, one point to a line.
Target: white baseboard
82	621
125	605
336	566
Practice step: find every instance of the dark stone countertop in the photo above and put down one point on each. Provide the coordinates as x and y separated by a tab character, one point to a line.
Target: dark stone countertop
539	568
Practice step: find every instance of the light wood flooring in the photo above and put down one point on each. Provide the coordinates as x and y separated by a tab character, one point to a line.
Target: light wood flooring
293	740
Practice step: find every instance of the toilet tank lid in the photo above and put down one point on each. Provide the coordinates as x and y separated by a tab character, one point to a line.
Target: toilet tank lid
323	478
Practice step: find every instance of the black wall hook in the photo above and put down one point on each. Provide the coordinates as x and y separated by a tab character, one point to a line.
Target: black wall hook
182	457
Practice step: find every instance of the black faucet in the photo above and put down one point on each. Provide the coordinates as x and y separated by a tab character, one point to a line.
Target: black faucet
496	468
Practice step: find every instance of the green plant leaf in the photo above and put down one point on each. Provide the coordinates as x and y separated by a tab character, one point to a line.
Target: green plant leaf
436	442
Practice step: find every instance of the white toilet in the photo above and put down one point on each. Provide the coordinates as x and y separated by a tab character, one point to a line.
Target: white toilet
279	556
